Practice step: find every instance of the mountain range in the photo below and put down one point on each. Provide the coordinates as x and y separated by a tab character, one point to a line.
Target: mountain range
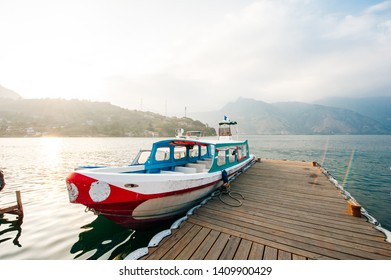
377	108
258	117
337	115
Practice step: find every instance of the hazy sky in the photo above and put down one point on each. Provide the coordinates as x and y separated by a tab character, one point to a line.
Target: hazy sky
163	56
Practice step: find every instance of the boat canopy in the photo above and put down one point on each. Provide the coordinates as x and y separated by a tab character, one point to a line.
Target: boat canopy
165	155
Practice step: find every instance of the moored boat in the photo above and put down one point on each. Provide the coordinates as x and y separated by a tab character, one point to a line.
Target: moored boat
161	183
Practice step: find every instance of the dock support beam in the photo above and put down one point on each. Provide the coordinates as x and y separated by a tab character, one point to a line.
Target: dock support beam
16	209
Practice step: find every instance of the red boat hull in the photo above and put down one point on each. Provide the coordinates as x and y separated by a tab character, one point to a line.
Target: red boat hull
135	210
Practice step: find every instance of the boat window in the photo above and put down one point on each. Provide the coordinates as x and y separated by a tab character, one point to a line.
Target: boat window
204	150
232	154
212	150
225	131
242	152
162	153
193	152
221	157
179	152
142	157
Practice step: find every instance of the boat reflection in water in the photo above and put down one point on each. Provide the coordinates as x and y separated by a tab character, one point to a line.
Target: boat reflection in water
104	239
13	225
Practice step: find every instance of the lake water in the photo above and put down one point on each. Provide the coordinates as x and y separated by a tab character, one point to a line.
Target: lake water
54	229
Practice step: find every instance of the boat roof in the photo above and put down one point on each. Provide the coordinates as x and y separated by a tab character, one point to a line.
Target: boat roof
190	142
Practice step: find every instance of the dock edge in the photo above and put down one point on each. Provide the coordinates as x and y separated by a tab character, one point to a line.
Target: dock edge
349	197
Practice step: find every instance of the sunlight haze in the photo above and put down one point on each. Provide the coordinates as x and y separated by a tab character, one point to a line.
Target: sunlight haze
163	56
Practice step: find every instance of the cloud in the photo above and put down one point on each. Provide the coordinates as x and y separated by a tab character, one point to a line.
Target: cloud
383	6
291	50
278	51
164	57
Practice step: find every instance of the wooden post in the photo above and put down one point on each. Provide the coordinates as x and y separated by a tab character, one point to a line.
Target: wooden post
19	203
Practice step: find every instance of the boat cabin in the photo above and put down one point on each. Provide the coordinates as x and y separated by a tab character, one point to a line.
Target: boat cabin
225	132
187	156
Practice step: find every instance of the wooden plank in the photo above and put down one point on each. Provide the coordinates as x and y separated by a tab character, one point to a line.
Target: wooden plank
346	239
181	244
205	246
284	255
281	229
308	198
270	211
166	244
193	245
215	252
230	248
296	191
281	242
243	251
297	257
293	235
305	221
294	199
256	252
270	253
315	218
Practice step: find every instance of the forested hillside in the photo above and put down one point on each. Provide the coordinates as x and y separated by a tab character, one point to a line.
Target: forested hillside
58	117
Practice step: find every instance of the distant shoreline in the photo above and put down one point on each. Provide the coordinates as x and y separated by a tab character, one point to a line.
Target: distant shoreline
157	137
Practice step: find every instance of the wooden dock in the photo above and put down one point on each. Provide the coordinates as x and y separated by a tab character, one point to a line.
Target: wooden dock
290	211
14	209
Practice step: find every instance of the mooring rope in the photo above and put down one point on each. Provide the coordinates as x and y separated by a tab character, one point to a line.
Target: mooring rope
225	189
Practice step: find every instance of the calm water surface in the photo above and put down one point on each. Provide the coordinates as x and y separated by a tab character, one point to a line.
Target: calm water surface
53	228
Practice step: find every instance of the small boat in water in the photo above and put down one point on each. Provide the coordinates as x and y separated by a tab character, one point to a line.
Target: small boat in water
161	183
